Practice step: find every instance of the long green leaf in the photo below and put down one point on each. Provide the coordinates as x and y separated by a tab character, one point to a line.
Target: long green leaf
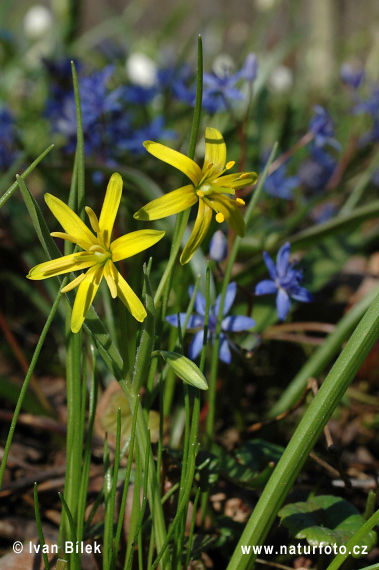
307	434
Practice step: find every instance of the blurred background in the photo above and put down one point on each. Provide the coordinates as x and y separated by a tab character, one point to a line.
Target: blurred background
311	37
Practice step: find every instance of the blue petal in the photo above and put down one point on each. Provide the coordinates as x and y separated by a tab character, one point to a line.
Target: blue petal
230	295
265	287
283	304
301	294
270	265
237	323
194	321
199	301
224	353
196	345
282	259
218	247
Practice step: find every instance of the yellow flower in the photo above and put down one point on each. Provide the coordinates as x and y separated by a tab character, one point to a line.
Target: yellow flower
208	188
99	255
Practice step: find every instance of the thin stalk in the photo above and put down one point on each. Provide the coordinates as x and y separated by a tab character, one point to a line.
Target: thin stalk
124	492
26	172
182	218
225	283
87	453
39	528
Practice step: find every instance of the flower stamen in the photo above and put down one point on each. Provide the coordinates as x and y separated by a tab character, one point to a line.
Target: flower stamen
93	219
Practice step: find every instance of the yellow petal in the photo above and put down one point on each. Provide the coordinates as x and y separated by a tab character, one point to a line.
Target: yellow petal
131	244
84	297
110	207
129	298
229	209
111	278
215	153
200	229
169	204
176	159
235	181
70	222
58	267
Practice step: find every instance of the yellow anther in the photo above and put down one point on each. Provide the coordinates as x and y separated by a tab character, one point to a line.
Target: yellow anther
220	217
210	164
244	175
200	193
230	164
240	202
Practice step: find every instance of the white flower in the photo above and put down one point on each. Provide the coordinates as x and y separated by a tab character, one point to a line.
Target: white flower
38	20
141	69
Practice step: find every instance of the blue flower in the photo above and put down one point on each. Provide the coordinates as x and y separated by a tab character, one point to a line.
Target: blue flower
322	127
133	139
284	282
220	88
7	138
370	105
279	185
351	75
316	171
218	247
229	323
100	108
179	81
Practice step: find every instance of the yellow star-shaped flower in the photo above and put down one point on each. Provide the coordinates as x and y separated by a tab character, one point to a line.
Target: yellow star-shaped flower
99	254
210	188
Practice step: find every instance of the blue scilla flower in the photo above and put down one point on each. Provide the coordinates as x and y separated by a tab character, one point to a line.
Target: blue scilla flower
133	139
369	105
7	138
351	75
220	89
280	185
180	81
218	247
285	280
97	102
229	323
317	170
322	127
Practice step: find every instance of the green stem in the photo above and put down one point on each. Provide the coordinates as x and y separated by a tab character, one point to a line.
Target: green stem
307	434
182	218
225	283
30	168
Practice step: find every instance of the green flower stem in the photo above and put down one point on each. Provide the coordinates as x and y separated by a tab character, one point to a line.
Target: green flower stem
307	434
225	283
87	453
28	376
143	440
356	539
30	168
74	421
39	528
182	218
324	354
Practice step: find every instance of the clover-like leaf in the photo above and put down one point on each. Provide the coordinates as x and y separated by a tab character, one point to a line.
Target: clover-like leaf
325	520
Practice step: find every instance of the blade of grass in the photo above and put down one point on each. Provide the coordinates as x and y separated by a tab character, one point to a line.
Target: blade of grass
306	435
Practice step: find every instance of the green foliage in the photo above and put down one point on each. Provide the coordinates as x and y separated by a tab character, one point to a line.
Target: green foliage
326	520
